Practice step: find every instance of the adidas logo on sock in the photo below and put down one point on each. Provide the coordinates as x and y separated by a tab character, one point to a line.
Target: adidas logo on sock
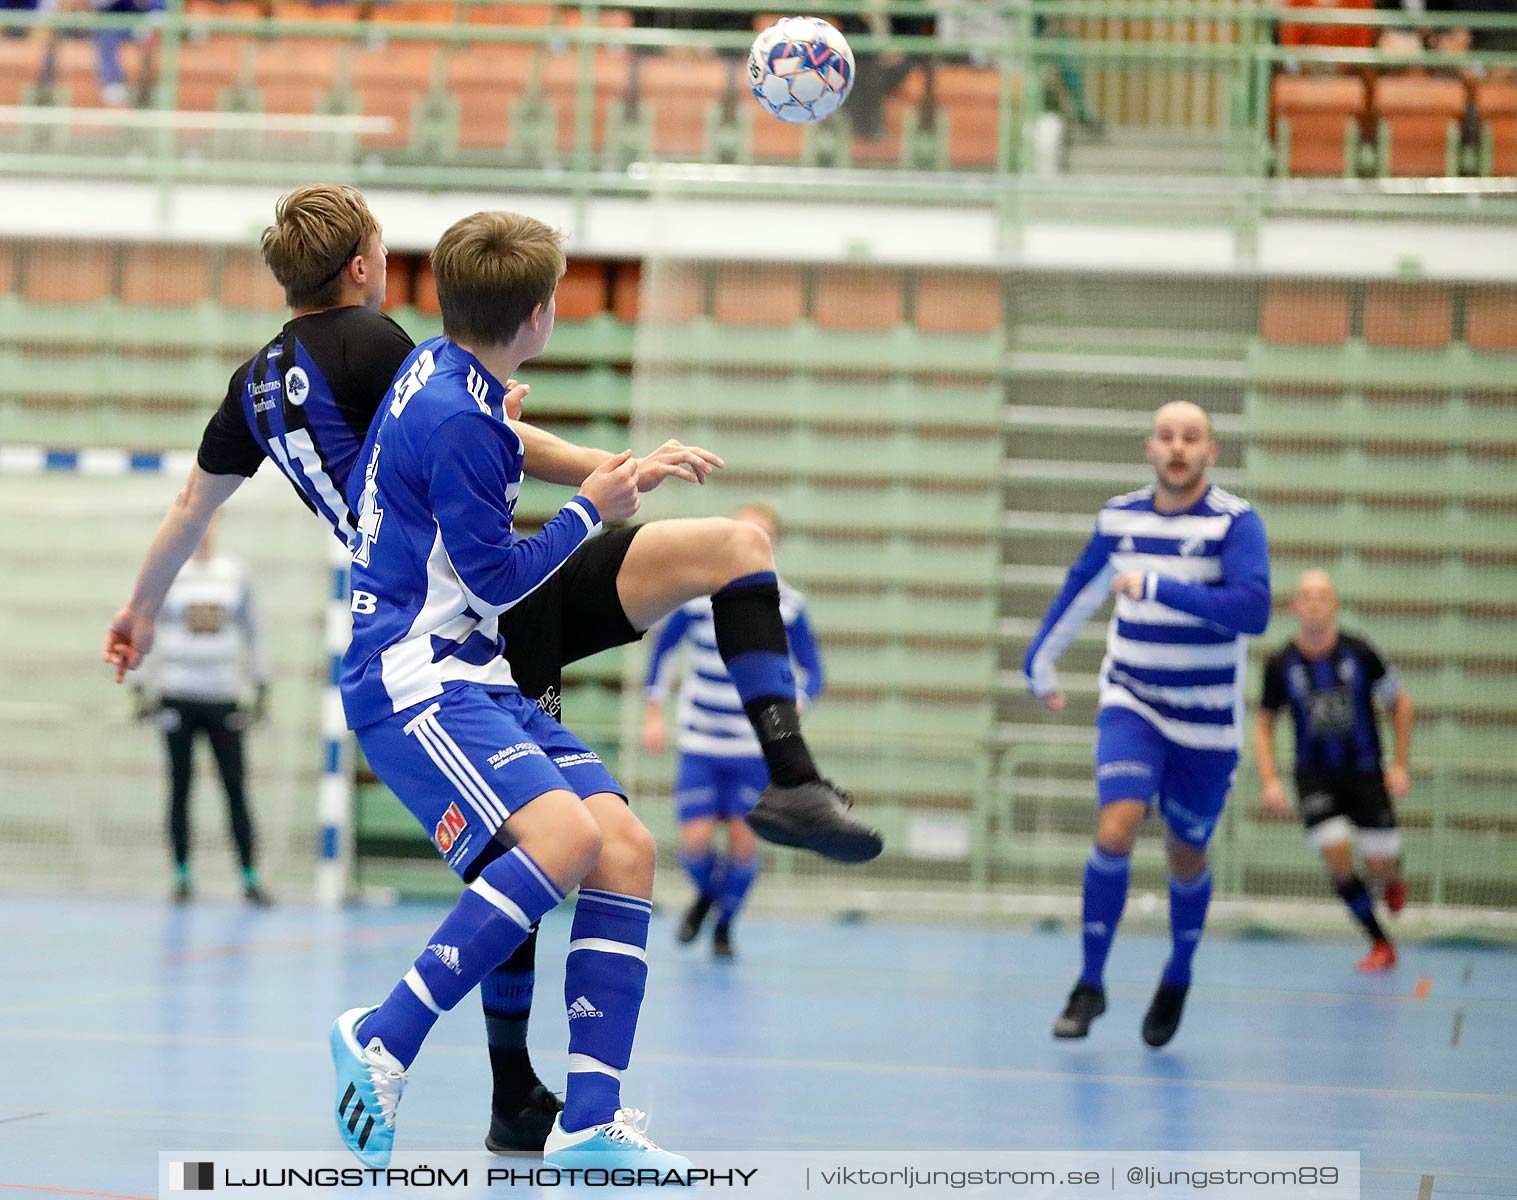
447	955
583	1008
1096	928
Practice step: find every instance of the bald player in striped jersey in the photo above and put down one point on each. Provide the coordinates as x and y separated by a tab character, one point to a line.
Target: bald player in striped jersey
1189	566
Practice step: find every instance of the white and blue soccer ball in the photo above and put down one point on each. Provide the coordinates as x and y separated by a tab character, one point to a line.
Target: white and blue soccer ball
800	69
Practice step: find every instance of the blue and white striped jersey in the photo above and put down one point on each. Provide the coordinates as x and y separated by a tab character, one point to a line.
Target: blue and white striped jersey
1175	657
710	717
436	561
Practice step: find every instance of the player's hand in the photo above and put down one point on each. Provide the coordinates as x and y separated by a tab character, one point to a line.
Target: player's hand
675	460
1053	701
655	738
1276	802
612	487
1398	782
515	394
1129	584
127	641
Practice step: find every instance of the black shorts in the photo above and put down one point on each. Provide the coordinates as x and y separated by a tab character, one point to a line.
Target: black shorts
575	614
1360	796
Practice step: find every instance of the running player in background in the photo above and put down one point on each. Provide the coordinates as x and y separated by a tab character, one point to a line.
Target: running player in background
1333	682
307	400
1189	566
721	771
210	662
441	721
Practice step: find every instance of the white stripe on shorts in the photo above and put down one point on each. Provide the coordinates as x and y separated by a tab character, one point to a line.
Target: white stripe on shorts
491	811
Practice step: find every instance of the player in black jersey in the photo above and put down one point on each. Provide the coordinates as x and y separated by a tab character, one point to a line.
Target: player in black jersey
1333	683
306	400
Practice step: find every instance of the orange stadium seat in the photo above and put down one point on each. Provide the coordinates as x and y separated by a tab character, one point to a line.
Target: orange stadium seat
206	69
510	14
1353	37
1490	319
1416	318
165	276
247	284
561	83
886	148
1496	101
241	10
294	76
20	65
332	14
758	295
776	141
414	12
486	79
400	270
858	299
7	267
1304	314
1420	114
68	272
680	91
970	97
425	295
582	290
680	295
1321	112
388	81
959	303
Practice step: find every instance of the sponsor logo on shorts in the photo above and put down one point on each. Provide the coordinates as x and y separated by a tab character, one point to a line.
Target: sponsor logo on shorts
448	829
580	758
504	758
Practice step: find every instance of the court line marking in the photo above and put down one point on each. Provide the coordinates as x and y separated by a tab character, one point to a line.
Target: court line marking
22	1117
33	1187
1458	1029
792	1065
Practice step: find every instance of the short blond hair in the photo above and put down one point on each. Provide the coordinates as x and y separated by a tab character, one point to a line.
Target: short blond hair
317	231
492	269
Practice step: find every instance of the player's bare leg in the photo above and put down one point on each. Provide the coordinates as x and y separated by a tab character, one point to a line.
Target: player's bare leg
672	562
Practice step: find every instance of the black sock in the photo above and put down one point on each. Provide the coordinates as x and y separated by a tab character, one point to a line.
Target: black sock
750	636
507	996
1361	904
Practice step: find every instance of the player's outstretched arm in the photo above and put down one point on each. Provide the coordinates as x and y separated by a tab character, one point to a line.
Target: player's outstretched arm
1084	590
130	635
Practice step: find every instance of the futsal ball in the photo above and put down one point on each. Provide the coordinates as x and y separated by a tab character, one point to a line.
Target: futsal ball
800	69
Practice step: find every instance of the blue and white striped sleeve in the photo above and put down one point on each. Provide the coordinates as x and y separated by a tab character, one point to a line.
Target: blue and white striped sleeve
661	662
807	655
1241	600
469	462
1084	590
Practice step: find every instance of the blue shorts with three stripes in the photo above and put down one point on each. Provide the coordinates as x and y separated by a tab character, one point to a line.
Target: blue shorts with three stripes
464	761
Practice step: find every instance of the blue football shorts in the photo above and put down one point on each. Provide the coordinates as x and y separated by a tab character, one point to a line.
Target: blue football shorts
724	788
464	761
1134	761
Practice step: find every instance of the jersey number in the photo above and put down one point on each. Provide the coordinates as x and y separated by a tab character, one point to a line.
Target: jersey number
412	382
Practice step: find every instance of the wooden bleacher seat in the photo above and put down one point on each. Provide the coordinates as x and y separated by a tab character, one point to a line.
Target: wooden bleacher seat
858	299
582	291
241	10
206	69
959	302
425	295
400	269
678	297
165	276
413	12
1323	115
1496	102
1418	318
759	296
68	272
561	86
1490	319
485	79
680	91
1295	314
20	66
294	77
388	81
339	13
509	14
247	284
970	97
1419	116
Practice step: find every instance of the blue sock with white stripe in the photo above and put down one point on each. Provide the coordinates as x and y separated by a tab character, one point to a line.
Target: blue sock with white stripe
605	976
1187	917
1106	877
702	869
736	881
490	920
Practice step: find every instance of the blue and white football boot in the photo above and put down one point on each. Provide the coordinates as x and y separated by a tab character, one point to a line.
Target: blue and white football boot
620	1144
370	1081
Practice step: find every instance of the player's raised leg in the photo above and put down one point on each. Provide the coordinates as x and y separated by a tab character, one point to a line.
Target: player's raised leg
671	562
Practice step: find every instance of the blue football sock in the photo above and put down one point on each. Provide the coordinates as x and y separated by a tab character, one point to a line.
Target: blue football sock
1106	877
736	881
604	979
703	870
1187	917
490	920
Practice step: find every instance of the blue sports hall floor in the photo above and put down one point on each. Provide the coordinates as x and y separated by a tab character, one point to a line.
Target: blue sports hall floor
130	1027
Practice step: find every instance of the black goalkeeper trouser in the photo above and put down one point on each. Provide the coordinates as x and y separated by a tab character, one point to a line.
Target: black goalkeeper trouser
220	722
